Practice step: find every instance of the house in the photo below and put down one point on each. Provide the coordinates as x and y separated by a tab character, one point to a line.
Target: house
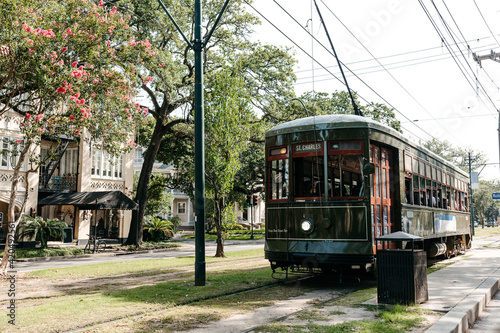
76	183
183	206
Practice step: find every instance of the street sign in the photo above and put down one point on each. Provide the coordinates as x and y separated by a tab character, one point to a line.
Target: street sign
495	195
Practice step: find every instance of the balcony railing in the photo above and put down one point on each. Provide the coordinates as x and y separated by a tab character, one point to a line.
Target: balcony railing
61	183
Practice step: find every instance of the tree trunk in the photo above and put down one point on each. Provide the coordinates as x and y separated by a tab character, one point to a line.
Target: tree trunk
219	253
11	213
136	225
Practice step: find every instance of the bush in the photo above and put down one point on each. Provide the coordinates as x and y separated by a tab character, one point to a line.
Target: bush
158	229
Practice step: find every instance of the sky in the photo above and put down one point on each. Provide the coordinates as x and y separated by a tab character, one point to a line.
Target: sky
424	69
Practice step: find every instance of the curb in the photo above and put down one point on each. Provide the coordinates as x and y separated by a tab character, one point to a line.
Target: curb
464	314
111	254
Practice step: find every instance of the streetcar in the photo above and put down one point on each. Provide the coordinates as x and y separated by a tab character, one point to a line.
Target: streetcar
335	183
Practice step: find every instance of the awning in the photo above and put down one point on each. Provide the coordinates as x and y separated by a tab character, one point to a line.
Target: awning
91	200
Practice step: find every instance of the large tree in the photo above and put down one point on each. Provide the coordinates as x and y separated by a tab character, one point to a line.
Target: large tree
266	70
58	72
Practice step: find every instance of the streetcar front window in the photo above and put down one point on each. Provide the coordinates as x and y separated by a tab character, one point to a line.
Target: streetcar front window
279	181
344	176
308	178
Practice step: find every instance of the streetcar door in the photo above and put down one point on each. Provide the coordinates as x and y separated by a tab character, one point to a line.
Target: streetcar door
381	194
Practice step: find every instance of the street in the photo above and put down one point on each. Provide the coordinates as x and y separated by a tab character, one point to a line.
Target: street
187	250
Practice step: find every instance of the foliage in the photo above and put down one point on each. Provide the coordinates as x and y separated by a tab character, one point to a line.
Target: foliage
47	252
267	72
339	102
159	229
159	199
176	222
485	208
37	229
458	156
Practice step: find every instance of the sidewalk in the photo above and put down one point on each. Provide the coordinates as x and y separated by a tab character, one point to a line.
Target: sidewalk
463	289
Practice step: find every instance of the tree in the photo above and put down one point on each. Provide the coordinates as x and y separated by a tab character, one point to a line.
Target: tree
227	137
169	98
159	199
339	102
40	230
58	71
459	156
485	208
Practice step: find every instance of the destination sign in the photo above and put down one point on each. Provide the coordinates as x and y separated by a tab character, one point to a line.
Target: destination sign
495	195
308	147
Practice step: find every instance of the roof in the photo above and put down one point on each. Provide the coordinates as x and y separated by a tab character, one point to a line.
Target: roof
346	121
91	200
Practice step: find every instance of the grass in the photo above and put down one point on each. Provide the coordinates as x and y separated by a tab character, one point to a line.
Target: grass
150	246
394	319
356	298
124	267
70	312
491	231
48	252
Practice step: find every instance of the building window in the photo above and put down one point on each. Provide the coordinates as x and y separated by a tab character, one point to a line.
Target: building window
106	166
181	208
10	150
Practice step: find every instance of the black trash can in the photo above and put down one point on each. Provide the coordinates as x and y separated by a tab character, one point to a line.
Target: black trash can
67	235
401	273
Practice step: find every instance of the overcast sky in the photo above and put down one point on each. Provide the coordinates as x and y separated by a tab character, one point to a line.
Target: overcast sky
401	59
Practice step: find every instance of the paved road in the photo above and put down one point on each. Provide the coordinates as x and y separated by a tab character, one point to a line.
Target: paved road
187	250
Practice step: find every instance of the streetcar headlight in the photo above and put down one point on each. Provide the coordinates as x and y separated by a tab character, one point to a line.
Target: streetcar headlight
306	226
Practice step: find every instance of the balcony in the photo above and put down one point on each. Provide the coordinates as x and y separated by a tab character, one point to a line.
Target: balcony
60	183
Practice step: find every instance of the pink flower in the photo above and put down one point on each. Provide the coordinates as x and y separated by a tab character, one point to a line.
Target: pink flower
61	90
77	132
129	115
101	3
71	117
74	64
38	117
28	116
82	101
18	141
64	49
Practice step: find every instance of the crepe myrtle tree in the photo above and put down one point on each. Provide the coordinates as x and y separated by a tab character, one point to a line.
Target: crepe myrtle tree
59	72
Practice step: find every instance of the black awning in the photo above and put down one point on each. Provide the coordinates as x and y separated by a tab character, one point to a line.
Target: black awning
91	200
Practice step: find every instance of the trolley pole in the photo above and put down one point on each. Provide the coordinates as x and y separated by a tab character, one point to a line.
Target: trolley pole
197	46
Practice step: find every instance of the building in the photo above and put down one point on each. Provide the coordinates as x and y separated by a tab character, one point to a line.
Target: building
79	184
183	206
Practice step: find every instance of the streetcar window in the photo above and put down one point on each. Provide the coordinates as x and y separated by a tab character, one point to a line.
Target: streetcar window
308	178
278	173
408	163
344	176
408	191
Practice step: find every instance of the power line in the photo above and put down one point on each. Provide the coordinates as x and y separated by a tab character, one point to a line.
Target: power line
448	47
362	81
484	20
279	30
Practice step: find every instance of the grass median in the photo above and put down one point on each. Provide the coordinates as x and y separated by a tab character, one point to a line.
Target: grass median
89	306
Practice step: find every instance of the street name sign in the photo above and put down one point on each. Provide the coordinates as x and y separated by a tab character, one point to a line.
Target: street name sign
495	195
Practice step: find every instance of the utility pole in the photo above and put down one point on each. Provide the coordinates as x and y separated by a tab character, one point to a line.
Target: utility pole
471	200
495	57
197	45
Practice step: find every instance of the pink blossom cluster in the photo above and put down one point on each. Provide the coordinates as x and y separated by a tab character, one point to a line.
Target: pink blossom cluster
46	33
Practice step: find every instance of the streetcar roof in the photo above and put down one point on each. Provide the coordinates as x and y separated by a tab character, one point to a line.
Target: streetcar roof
327	122
333	121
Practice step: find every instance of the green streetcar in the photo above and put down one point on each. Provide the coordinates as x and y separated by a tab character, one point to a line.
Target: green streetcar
335	183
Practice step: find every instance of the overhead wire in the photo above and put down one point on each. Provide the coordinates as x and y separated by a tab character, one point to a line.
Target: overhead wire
486	23
478	83
448	47
367	85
